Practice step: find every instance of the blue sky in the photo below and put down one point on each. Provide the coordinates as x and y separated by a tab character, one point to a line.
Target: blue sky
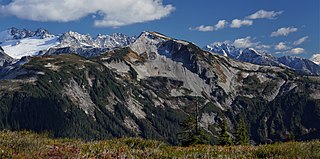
282	27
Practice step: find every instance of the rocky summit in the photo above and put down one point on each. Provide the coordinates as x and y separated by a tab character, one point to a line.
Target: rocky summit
149	85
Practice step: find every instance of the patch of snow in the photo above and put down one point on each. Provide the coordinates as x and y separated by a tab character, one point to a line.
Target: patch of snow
28	46
182	42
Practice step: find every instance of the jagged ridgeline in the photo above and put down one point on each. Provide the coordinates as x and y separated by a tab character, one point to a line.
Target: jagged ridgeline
151	87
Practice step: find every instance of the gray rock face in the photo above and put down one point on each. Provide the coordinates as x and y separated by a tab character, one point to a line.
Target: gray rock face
85	45
4	58
24	33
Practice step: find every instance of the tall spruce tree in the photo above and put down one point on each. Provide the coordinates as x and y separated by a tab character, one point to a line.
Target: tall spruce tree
241	134
192	134
224	137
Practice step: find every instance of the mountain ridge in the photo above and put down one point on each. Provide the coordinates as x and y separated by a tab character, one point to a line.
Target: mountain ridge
251	55
149	88
19	43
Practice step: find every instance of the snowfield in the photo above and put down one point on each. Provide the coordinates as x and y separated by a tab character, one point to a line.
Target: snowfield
28	46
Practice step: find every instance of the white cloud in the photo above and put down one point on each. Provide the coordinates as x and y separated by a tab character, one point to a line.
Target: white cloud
111	13
203	28
284	31
261	14
301	40
221	24
237	23
220	43
245	42
281	46
297	51
263	47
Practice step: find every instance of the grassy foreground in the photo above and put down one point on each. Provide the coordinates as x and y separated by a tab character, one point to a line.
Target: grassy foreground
30	145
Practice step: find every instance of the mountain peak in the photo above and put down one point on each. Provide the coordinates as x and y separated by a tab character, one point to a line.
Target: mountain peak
153	35
224	49
42	33
316	59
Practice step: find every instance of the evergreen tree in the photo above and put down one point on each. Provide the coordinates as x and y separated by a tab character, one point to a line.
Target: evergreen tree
192	134
224	137
241	134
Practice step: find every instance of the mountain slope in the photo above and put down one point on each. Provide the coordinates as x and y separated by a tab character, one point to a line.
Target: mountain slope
151	87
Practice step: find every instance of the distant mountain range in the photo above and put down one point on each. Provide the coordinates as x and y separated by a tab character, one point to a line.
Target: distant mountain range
18	43
74	85
251	55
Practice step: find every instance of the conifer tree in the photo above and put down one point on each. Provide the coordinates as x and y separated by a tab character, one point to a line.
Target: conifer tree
192	134
224	137
241	134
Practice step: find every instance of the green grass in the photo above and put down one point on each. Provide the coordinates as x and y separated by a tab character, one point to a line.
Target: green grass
26	144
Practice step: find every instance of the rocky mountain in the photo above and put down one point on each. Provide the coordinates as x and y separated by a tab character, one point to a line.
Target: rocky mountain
251	55
4	58
22	42
151	87
15	34
224	49
316	58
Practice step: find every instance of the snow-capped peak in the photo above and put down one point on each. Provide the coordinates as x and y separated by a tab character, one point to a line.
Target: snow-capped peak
224	49
316	59
75	39
22	42
43	33
15	34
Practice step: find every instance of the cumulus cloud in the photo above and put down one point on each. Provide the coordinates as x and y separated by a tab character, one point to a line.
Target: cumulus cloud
284	31
281	46
110	13
297	51
237	23
203	28
301	40
262	14
263	47
245	42
221	24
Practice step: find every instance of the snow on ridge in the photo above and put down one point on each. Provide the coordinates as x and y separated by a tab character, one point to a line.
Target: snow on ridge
316	59
28	46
